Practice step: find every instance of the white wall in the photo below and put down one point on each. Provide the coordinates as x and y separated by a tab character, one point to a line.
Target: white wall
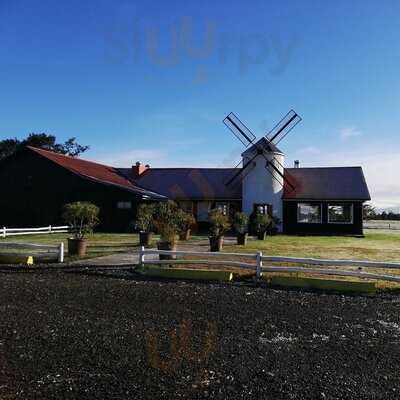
260	187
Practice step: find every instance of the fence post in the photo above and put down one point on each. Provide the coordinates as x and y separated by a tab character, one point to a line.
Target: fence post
259	264
49	228
61	253
4	232
141	256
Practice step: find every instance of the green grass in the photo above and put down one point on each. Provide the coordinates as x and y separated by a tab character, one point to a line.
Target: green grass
378	245
99	244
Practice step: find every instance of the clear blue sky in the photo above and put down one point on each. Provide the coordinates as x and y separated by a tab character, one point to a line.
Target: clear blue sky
142	80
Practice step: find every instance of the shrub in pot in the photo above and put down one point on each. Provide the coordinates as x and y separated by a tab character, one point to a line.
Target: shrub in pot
273	226
167	223
144	223
82	217
219	224
241	224
186	222
261	224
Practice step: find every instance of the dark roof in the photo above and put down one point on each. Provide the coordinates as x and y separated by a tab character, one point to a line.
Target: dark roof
264	143
333	183
189	183
95	172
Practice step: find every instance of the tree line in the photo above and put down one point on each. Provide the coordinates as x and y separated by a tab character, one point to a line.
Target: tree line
371	213
43	141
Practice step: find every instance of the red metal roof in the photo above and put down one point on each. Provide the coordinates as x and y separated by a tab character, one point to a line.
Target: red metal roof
93	171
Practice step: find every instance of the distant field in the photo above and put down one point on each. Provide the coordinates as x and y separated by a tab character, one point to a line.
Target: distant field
382	224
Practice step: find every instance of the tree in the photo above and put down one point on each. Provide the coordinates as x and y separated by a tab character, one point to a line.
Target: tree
42	141
369	212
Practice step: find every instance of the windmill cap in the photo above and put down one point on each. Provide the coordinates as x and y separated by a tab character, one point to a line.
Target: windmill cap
265	143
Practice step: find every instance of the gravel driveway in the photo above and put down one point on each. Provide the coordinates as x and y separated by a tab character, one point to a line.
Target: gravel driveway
94	336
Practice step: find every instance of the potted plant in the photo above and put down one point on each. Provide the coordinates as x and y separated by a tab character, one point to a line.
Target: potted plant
261	224
144	221
273	226
186	222
241	223
82	217
167	224
219	224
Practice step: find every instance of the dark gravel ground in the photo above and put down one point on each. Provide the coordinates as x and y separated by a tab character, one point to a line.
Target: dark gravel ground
94	336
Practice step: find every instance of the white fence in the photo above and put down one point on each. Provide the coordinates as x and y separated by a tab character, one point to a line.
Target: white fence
209	258
4	232
34	250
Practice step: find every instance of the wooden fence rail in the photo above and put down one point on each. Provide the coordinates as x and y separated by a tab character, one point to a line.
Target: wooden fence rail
208	258
44	249
4	232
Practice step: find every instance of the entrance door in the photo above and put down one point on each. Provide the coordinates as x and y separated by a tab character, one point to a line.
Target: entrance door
203	207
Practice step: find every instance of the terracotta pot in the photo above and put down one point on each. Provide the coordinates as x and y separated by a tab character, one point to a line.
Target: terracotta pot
166	246
242	239
261	235
145	238
77	247
185	235
216	243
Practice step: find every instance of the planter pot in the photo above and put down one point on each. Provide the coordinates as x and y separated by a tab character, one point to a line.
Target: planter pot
77	247
145	238
166	246
261	235
216	243
185	235
242	239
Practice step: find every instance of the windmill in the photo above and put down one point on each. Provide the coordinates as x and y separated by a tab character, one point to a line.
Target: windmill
266	146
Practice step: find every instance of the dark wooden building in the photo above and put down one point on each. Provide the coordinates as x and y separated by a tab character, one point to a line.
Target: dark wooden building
36	184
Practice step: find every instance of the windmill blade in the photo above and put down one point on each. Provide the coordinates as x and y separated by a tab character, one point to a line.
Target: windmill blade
239	129
283	127
277	171
242	171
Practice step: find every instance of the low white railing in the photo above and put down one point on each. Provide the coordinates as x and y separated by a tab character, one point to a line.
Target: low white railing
259	268
37	249
4	232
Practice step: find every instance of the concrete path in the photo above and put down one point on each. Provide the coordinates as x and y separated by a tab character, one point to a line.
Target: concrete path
133	257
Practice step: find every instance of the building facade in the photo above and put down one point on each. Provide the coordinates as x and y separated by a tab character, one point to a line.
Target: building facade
36	184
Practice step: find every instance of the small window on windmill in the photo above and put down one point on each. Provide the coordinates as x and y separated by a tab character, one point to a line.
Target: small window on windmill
224	207
263	209
124	205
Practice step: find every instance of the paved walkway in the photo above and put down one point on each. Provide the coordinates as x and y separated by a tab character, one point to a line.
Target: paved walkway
133	258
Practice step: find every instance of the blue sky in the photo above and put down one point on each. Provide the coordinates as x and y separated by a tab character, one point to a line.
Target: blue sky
153	80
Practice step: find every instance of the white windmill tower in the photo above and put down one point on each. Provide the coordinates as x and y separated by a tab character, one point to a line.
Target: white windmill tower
260	188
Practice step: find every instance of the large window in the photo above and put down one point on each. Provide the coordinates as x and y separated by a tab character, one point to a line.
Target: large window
340	213
308	213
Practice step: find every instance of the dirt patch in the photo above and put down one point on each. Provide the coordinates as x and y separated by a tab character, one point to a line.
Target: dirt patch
92	336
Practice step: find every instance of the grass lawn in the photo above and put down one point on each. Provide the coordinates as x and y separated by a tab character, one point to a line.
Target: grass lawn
99	244
376	245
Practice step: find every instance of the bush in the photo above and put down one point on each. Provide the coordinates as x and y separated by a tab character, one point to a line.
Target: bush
262	222
185	220
219	223
82	217
166	221
241	222
144	218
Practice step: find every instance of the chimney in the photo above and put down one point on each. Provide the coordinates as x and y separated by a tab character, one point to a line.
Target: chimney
296	163
138	168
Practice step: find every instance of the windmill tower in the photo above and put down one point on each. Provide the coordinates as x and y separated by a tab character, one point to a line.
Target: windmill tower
260	189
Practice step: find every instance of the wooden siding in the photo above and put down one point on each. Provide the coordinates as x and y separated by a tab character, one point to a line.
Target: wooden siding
291	226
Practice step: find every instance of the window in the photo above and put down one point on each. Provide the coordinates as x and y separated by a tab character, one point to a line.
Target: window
263	209
124	205
308	213
340	213
224	207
